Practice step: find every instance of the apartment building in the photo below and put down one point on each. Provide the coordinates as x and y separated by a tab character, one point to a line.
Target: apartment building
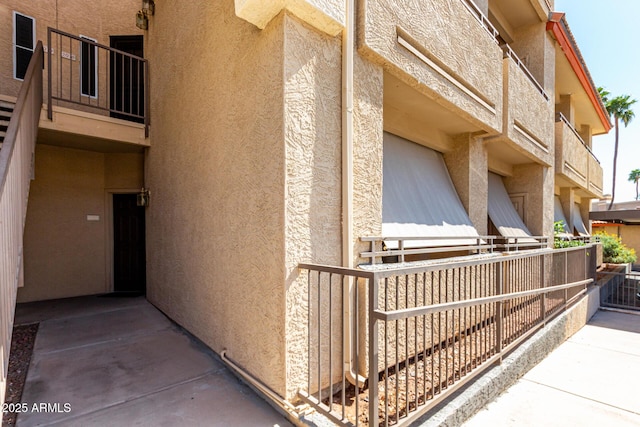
203	157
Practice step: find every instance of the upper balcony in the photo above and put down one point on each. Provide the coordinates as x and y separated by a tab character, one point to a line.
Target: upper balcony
576	165
445	50
528	111
95	96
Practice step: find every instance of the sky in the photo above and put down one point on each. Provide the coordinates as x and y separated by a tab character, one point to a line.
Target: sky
608	35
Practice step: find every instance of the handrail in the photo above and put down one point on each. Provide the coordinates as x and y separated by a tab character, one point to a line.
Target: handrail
509	53
486	24
104	88
16	172
561	118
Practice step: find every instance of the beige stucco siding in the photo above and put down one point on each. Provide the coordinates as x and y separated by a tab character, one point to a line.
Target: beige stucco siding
65	253
312	105
463	60
215	226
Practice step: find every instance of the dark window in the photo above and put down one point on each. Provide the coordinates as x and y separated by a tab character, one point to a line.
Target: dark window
88	64
24	32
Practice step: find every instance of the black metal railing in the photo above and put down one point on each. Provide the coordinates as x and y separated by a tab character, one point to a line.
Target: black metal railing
93	77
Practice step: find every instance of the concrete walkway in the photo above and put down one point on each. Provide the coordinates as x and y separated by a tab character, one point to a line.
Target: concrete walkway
119	361
593	379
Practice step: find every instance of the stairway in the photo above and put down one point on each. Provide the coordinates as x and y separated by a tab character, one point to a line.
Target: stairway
6	109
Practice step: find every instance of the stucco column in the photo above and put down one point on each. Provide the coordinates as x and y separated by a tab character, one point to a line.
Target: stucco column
535	182
586	132
585	208
566	107
567	199
536	48
467	165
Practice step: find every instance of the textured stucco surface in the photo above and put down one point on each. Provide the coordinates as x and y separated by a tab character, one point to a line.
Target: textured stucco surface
312	120
65	255
469	55
98	21
595	177
467	164
215	227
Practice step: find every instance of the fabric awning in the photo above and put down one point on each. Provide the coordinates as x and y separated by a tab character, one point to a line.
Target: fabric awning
578	223
418	197
558	215
501	210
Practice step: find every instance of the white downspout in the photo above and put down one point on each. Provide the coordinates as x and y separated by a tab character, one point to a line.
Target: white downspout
348	42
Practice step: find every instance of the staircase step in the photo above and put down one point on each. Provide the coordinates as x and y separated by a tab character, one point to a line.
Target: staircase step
5	113
4	124
6	105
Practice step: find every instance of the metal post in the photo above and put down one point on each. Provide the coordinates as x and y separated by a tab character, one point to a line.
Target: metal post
373	352
499	291
49	111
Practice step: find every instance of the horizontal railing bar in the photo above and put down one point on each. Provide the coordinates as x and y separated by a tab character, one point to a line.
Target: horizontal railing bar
417	251
97	107
448	265
93	43
420	311
338	270
376	238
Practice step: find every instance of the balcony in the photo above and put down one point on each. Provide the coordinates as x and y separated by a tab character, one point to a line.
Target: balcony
527	111
445	50
96	96
576	166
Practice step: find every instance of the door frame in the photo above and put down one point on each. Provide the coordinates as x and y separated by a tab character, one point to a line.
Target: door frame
110	285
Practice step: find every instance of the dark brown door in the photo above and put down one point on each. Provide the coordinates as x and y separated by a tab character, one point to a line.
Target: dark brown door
128	245
127	79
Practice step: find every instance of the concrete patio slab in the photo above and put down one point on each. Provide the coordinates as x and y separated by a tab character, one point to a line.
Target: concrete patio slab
590	380
119	361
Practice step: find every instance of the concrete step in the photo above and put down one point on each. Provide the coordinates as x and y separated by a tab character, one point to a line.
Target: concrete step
4	124
6	105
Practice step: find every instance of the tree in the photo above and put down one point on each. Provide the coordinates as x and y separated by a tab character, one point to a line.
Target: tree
620	109
634	176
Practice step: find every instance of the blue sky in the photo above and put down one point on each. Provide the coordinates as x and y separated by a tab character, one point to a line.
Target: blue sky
608	34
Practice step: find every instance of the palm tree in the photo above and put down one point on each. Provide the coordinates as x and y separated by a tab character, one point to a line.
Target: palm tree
634	176
620	109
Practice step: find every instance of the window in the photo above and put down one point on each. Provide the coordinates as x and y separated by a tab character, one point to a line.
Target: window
24	42
88	68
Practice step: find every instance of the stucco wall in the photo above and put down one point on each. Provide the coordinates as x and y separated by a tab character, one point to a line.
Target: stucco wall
98	20
536	182
450	37
312	105
216	170
65	254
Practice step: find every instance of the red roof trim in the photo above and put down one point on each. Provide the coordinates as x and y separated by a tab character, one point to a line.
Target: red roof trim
563	39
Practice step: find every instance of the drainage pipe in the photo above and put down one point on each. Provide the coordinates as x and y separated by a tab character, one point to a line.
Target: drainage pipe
348	46
266	391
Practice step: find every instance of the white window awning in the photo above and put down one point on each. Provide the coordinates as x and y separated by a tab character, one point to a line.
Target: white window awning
501	210
558	215
418	197
578	223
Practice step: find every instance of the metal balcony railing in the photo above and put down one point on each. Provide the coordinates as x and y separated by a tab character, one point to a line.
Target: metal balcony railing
418	333
96	78
561	118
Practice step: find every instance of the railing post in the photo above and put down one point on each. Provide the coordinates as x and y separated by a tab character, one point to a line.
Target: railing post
373	352
543	300
146	99
49	55
566	275
499	291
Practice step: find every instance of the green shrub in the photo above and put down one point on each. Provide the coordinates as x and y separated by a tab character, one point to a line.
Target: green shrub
614	251
559	242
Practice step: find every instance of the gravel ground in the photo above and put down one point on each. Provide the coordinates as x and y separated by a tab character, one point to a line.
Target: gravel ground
22	341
